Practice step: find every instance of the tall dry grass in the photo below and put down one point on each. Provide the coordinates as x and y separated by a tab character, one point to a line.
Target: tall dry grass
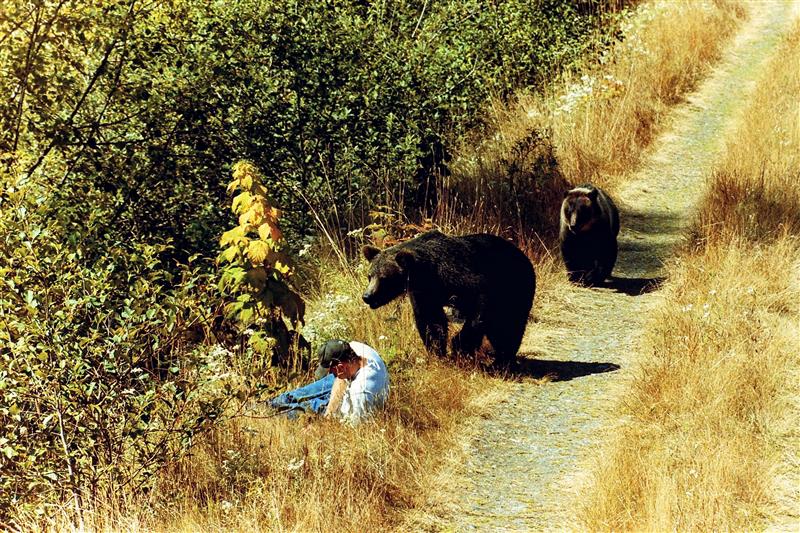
608	117
696	451
592	127
710	433
259	472
754	192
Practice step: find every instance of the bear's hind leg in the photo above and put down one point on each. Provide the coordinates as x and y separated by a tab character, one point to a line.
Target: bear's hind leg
506	339
610	259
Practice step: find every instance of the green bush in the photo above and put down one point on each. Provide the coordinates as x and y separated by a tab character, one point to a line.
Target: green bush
102	377
341	104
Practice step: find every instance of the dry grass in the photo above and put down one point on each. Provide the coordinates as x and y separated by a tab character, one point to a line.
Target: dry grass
695	452
273	474
754	192
710	438
606	119
263	473
594	127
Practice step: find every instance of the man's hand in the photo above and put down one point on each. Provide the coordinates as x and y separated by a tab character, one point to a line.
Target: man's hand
337	395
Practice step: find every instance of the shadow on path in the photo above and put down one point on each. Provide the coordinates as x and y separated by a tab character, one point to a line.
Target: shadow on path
634	286
554	370
646	238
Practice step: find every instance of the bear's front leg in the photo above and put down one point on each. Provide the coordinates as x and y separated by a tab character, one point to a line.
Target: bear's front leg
468	340
431	324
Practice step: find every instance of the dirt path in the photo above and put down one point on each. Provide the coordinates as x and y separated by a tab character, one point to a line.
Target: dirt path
519	466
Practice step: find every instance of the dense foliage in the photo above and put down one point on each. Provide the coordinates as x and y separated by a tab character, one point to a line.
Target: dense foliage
141	107
111	364
119	128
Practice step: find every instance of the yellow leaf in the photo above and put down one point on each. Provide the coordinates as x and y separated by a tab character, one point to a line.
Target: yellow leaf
233	185
265	231
234	236
229	254
249	218
280	267
243	172
246	181
242	202
240	168
257	252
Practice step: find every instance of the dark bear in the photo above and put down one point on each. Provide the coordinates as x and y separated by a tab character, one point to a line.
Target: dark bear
487	280
588	234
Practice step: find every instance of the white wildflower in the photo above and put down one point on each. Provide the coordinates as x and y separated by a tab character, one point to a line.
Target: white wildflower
295	464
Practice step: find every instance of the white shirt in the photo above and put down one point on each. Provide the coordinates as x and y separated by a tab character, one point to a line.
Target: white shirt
369	389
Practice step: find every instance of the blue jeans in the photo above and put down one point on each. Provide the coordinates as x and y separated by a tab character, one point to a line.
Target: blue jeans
311	398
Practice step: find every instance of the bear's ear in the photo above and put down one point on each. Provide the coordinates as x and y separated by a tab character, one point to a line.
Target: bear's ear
370	252
405	259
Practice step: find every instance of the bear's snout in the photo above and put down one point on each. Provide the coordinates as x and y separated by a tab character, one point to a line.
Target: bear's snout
369	299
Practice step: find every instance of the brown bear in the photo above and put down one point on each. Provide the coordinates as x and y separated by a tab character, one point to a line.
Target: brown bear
588	234
487	280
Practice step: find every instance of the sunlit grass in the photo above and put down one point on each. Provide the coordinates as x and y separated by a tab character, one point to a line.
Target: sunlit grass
709	439
592	127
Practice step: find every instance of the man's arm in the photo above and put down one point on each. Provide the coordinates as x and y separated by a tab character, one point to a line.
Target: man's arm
337	395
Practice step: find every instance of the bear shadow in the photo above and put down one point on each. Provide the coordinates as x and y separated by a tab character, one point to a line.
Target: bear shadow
552	370
633	286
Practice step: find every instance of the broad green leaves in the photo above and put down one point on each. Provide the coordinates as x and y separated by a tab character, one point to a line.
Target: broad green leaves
141	107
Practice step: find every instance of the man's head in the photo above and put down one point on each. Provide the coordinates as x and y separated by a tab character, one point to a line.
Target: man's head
338	358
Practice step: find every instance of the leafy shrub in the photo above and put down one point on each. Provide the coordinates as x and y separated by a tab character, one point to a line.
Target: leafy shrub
348	104
257	273
101	381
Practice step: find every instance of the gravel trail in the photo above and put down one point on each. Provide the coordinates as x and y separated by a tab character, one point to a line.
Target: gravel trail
520	466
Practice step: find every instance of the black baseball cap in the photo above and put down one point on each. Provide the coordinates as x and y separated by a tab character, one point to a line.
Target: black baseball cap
331	353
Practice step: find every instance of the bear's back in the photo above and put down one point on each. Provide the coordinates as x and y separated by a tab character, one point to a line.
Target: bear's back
479	253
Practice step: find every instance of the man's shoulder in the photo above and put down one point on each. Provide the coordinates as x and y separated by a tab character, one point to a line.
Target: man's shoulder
364	350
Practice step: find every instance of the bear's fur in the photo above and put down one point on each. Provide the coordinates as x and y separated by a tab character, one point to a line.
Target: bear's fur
487	280
588	234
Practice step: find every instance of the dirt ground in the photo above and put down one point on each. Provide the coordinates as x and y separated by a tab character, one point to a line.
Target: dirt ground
519	468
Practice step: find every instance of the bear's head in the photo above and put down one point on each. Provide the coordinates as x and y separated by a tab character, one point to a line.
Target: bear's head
578	209
388	274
